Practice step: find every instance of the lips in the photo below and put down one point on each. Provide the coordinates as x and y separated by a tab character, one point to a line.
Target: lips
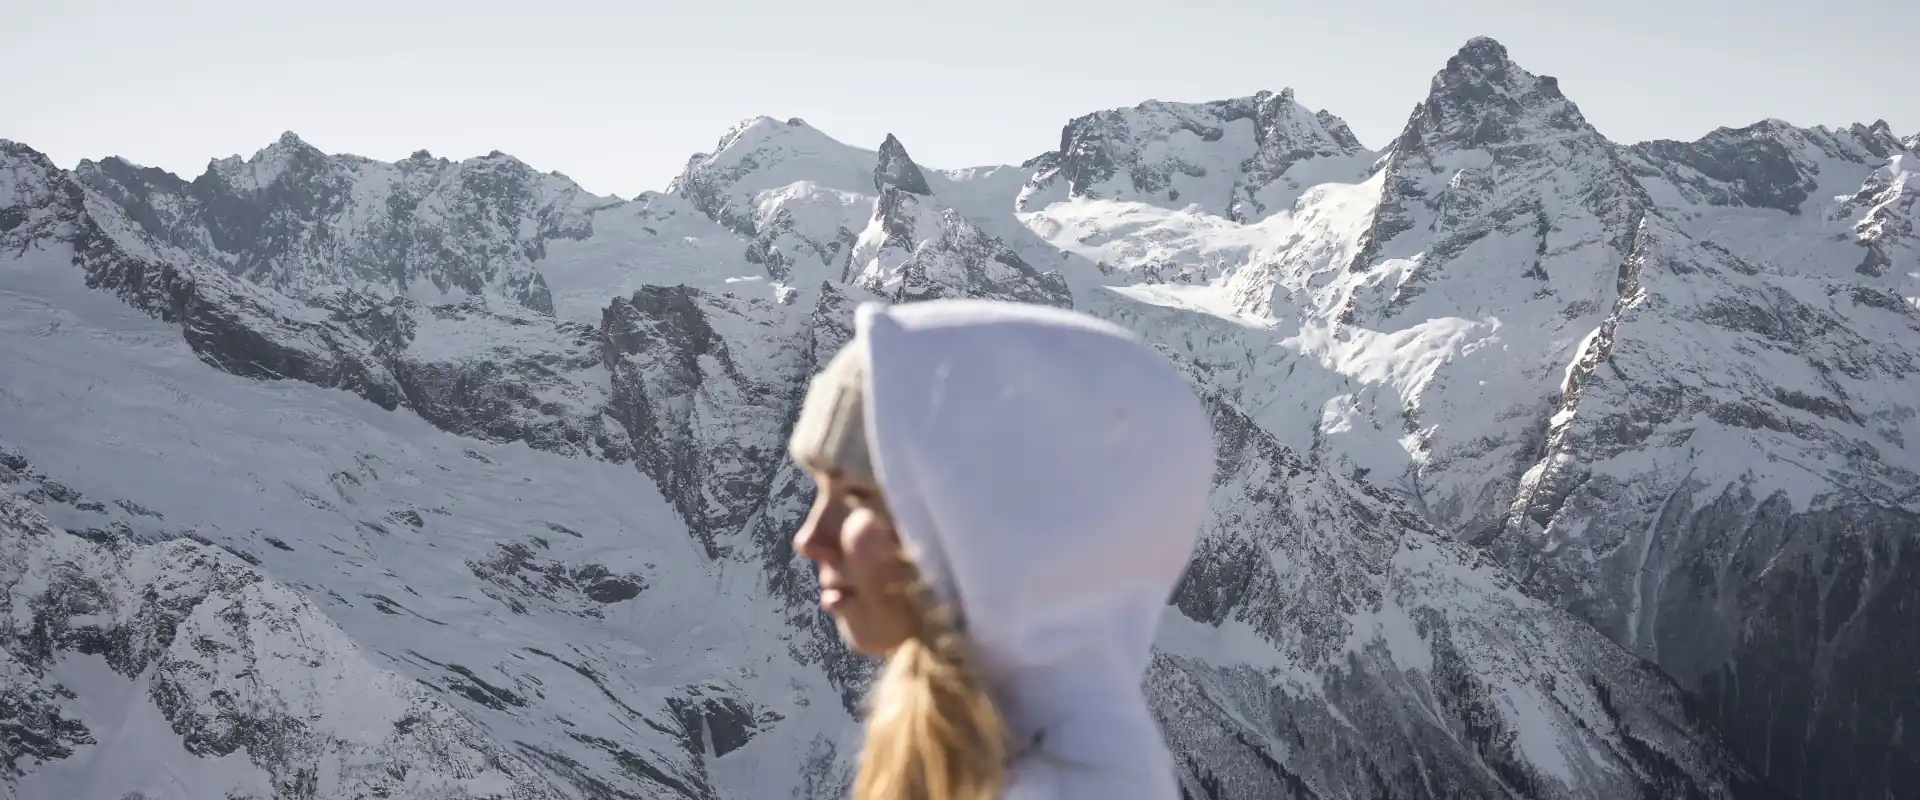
835	596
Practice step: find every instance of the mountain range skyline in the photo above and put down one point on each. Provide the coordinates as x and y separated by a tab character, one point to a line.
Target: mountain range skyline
290	136
1550	467
616	95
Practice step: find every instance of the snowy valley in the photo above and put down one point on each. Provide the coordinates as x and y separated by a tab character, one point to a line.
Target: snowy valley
1549	466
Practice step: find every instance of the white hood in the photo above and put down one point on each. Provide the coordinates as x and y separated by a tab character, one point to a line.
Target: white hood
1048	472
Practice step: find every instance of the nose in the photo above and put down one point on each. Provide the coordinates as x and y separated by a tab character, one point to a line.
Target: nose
812	540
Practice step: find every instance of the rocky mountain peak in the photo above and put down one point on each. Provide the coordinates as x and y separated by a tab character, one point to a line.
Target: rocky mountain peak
422	159
1768	164
1230	157
288	154
896	170
763	156
1282	124
915	248
307	223
1747	166
761	133
497	167
1493	143
30	188
127	172
288	145
1337	128
1481	97
1877	138
1482	51
1858	142
1480	79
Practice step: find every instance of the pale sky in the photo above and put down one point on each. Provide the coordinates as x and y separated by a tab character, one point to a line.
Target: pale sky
617	95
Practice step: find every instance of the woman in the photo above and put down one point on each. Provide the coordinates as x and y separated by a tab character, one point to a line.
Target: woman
1008	494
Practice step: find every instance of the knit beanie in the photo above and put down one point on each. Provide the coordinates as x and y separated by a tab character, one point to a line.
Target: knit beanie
831	432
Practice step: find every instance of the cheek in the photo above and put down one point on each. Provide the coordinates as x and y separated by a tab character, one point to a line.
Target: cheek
872	550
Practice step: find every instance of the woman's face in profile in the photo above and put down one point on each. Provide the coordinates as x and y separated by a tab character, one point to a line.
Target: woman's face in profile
862	570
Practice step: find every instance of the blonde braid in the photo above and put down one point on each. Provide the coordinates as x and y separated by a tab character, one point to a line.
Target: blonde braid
933	732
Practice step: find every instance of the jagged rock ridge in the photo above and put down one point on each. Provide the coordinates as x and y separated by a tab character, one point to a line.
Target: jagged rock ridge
301	221
1466	346
1231	157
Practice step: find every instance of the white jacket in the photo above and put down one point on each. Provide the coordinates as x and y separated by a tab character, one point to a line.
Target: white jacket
1048	472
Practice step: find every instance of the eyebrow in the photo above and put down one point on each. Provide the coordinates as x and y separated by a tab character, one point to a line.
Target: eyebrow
857	489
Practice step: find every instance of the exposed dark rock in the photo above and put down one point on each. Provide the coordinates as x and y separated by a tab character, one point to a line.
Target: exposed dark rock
518	574
896	170
669	363
730	722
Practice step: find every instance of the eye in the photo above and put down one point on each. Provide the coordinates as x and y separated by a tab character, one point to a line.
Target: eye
863	496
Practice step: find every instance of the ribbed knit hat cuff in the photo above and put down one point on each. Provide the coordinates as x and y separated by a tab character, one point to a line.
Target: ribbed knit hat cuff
831	431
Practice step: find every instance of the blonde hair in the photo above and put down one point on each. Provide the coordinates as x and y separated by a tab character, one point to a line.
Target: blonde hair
933	732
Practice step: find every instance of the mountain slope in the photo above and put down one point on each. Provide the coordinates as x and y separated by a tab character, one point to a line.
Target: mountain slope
1485	400
1727	488
173	670
559	603
1670	385
1382	660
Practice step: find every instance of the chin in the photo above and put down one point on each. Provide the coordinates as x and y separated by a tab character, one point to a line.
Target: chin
860	642
868	649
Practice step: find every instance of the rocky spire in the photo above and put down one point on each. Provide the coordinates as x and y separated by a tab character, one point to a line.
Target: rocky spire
1493	142
896	170
1877	138
1481	97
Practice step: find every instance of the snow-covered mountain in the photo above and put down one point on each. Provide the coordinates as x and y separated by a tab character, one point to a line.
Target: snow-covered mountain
915	249
303	222
1803	199
1549	467
1677	412
1244	159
